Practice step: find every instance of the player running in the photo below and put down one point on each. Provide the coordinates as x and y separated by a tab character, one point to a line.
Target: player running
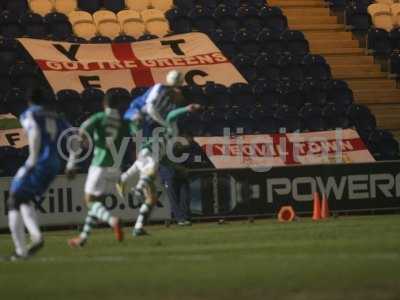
43	128
107	130
157	108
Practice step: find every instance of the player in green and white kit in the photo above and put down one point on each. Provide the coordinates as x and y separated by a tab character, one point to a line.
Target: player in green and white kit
106	130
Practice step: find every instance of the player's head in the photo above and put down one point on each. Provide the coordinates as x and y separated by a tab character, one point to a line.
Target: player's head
174	78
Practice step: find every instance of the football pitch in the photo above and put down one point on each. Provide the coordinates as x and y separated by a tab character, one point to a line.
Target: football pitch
343	258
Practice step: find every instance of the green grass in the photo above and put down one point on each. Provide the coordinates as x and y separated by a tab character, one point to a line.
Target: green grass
344	258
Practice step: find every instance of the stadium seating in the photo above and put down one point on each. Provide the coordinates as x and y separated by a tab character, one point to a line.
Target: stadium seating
107	23
138	5
41	7
381	16
34	25
131	23
155	22
83	24
58	25
65	6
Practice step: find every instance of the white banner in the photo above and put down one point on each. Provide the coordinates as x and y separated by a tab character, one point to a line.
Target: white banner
63	204
258	151
139	64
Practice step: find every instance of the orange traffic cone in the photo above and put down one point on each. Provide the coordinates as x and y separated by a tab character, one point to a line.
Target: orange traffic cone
286	214
325	208
317	207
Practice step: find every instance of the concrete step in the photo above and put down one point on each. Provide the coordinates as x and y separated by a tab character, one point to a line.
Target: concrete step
309	20
383	96
349	59
317	27
367	84
329	35
300	4
295	11
320	43
336	51
355	74
387	115
358	68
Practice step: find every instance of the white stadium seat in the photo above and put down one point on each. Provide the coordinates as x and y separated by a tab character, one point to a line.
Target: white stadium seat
107	23
41	7
65	6
155	22
138	5
381	16
83	25
131	23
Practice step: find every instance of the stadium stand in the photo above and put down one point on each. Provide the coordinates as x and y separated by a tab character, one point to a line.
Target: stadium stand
304	71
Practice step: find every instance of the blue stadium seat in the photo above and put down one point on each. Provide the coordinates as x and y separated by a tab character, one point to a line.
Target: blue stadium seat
270	41
340	93
361	117
24	75
314	91
394	36
357	17
394	63
267	66
225	17
295	42
92	100
184	5
289	94
242	95
179	22
383	145
195	94
335	116
264	120
34	25
99	39
75	39
191	124
90	6
246	66
249	18
138	91
17	7
114	5
257	3
147	36
123	38
69	102
5	82
202	19
58	25
214	122
312	118
217	94
225	42
246	42
266	93
290	68
9	25
378	41
9	52
287	119
316	68
15	101
240	122
124	96
232	3
210	4
273	18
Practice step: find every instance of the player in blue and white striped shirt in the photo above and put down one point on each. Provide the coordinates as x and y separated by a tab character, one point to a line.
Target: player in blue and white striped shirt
43	128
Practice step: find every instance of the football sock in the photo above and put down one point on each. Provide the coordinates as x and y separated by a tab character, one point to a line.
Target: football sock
87	228
144	213
30	220
17	231
98	210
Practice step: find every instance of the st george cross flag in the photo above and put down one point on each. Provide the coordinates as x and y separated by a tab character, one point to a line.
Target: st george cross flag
138	64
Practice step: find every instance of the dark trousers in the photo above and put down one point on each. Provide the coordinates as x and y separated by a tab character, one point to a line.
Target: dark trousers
178	192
